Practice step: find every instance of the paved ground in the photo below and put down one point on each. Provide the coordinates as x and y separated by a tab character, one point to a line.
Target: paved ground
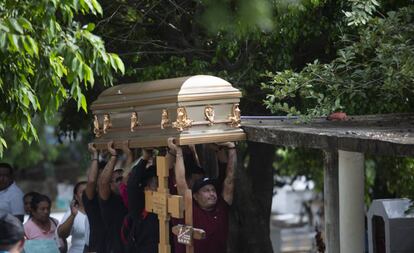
292	240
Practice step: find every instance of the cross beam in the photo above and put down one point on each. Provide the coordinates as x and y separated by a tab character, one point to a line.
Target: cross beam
186	233
165	205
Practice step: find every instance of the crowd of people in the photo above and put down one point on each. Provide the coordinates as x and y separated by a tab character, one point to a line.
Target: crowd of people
107	214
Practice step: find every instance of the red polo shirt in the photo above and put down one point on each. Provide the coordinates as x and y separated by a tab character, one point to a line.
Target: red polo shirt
216	225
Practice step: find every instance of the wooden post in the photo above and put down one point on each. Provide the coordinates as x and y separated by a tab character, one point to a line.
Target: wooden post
331	202
186	233
164	205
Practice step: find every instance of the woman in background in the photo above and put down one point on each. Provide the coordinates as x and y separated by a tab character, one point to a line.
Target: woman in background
74	220
40	225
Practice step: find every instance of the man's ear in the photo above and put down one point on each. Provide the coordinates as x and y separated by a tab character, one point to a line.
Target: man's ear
195	196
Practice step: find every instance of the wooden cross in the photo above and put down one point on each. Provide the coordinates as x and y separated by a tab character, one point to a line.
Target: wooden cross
165	205
186	233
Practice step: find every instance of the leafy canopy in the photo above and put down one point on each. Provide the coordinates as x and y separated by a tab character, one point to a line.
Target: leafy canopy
47	58
373	73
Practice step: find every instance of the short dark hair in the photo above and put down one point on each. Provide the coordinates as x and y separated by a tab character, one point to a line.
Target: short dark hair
37	199
75	188
11	230
30	194
8	166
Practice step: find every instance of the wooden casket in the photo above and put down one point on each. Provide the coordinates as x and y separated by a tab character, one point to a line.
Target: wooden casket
193	110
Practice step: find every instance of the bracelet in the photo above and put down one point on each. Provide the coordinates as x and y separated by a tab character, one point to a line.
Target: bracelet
94	159
169	152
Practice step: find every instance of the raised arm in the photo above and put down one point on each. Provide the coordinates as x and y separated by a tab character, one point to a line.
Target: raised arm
129	160
65	227
179	167
104	181
228	184
93	173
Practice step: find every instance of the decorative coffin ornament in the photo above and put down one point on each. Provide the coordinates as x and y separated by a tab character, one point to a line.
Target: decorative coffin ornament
196	109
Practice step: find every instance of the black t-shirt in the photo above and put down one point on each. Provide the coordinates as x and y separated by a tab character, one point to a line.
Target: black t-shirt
144	226
113	212
97	234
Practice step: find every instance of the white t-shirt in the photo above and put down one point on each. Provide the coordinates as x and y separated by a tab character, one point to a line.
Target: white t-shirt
77	232
11	200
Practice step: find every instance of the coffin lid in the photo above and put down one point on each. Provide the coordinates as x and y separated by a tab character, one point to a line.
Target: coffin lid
175	90
149	100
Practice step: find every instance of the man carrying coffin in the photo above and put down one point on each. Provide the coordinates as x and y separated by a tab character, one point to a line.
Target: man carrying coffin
210	209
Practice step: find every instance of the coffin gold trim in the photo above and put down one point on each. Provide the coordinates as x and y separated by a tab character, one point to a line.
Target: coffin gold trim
182	121
193	110
106	123
164	119
96	127
134	121
235	116
209	114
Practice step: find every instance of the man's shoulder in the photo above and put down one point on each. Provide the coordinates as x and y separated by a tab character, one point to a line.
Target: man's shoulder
14	190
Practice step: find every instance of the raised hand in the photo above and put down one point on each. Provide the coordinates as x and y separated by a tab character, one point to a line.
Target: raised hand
111	148
73	208
94	152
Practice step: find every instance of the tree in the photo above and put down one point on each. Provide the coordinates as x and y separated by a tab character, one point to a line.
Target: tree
47	58
165	39
372	73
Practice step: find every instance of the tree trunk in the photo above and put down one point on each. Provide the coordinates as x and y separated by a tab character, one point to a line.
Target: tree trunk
250	212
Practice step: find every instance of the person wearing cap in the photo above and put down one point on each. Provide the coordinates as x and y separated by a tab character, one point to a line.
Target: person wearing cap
11	197
210	210
140	230
11	233
112	207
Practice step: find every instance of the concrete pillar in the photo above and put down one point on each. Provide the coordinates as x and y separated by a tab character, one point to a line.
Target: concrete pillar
331	201
351	202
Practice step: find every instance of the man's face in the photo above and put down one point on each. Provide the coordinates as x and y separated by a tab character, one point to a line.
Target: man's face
27	201
5	178
152	184
206	197
116	181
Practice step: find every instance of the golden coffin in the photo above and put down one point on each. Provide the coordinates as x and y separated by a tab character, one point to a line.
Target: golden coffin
195	109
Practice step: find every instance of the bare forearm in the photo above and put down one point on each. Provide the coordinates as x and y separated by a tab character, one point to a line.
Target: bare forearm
129	159
228	184
92	179
65	228
105	179
180	173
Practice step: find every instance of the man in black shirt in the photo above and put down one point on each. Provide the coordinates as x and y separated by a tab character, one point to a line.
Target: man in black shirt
97	231
142	234
112	207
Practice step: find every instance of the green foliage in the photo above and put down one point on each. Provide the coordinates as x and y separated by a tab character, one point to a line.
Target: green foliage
24	155
373	73
47	58
295	162
238	17
362	11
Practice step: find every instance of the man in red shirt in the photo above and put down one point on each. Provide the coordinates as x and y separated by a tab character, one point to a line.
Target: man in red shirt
210	209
